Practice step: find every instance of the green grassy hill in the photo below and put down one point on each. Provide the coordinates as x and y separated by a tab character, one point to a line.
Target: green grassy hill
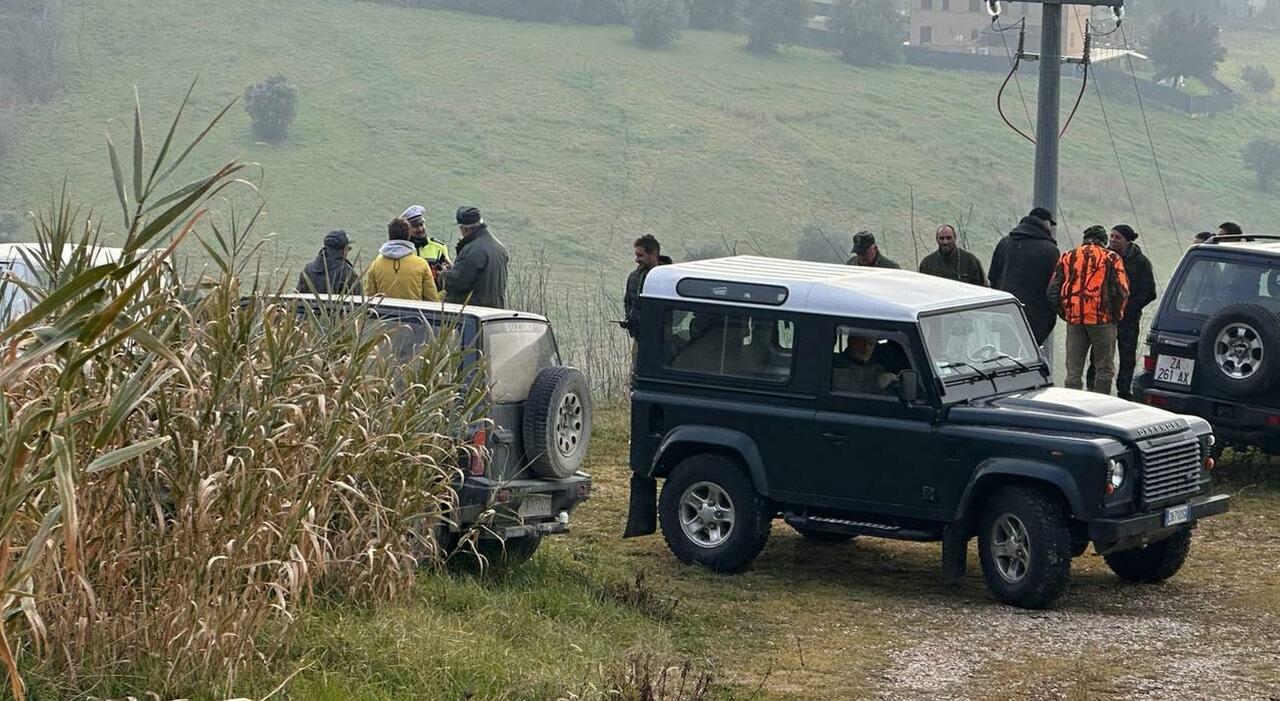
574	140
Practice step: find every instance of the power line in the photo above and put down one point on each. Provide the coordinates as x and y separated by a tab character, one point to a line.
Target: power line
1112	137
1013	70
1150	140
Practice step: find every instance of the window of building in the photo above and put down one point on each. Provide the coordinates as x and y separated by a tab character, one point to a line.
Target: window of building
746	345
975	5
946	5
864	362
926	35
926	4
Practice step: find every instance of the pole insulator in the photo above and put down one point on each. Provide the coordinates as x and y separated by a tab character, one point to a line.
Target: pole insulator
994	9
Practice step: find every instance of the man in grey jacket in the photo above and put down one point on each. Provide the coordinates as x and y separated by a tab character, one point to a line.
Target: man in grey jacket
479	272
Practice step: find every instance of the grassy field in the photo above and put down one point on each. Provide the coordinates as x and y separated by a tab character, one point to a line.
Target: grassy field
865	620
574	140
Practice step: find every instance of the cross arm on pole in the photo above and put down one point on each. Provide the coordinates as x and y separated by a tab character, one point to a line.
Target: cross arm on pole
1098	3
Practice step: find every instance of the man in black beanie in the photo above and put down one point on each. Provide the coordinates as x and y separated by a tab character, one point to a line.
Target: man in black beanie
1022	264
479	273
331	272
1142	291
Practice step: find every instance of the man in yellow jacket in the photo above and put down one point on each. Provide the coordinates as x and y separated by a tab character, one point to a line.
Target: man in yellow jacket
398	271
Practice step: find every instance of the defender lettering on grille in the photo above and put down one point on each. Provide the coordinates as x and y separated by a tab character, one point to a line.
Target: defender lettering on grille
1167	427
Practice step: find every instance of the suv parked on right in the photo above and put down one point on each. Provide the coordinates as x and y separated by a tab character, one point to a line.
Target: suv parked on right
1215	341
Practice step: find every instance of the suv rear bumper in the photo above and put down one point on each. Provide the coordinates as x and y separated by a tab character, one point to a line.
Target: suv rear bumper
1233	422
1113	534
508	499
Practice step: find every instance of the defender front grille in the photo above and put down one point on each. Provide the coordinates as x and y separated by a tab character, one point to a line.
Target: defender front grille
1170	471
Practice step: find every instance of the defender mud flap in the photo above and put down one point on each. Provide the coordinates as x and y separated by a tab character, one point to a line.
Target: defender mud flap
642	514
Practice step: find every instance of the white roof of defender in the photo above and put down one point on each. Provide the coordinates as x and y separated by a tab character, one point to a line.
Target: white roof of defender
823	288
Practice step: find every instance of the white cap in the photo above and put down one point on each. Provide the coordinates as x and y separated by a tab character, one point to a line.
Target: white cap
416	211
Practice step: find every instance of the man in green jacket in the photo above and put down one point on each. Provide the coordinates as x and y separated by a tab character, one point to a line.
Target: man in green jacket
867	253
952	262
479	273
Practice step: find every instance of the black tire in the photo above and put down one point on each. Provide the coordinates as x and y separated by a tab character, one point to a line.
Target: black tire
1152	563
817	536
492	555
750	513
1044	553
1259	327
557	422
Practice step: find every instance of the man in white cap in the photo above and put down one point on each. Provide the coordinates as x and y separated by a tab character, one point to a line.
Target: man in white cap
434	251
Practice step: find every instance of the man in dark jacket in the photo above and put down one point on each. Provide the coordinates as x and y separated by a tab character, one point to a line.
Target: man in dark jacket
648	256
1142	291
331	272
479	273
867	253
952	262
1022	264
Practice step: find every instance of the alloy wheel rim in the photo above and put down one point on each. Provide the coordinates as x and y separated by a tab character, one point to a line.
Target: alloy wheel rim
1011	548
707	515
1238	351
570	419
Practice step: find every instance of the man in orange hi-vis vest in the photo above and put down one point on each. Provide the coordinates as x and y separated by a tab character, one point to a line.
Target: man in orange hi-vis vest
1089	289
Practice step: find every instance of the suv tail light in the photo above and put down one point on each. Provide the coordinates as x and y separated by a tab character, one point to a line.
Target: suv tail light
1154	400
1273	420
1149	363
478	442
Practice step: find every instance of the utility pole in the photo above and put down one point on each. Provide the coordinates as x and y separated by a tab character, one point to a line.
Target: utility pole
1045	189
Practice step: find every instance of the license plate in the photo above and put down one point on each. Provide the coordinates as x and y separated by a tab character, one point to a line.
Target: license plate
535	505
1174	370
1176	514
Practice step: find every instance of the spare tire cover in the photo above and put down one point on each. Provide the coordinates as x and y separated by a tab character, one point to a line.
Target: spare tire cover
557	422
1239	352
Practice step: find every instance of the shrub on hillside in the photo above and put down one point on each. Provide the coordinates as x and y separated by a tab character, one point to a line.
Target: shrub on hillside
272	105
822	245
657	23
30	49
774	22
1258	78
713	14
1262	156
871	31
6	136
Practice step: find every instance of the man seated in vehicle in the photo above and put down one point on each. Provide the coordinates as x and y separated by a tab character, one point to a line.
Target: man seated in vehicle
855	370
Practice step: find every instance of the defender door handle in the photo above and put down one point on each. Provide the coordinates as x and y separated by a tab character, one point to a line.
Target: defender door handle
835	436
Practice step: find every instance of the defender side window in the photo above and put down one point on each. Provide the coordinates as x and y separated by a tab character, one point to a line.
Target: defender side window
865	362
745	345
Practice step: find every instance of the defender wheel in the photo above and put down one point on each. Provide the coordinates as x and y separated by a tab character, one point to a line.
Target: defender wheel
711	514
1025	546
557	422
1152	563
824	536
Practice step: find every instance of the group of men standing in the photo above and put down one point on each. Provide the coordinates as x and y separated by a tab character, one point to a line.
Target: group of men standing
413	265
1099	289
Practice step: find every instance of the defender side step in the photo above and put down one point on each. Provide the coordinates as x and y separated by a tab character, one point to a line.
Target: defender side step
851	527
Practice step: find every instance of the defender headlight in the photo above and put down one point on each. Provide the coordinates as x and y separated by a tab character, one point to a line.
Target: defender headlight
1115	476
1211	440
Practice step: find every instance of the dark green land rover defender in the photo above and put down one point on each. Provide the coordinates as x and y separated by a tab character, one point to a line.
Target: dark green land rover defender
871	402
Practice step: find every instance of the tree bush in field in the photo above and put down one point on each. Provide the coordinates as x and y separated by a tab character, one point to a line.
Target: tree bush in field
1186	45
657	23
713	14
183	472
272	105
871	31
580	11
774	22
30	49
1262	156
1258	78
6	136
822	245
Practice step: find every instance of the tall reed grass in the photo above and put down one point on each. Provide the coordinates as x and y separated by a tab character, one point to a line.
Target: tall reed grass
180	472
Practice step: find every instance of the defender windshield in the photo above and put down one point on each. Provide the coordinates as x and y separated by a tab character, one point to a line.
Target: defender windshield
982	345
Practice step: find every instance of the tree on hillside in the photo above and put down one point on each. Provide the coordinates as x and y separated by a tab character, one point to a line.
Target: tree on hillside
657	22
1186	45
773	22
272	104
713	14
1262	156
871	31
1258	78
30	49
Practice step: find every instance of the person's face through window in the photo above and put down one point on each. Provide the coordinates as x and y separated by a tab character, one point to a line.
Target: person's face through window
861	348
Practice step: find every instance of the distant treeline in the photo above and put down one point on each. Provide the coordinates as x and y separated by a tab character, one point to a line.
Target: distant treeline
703	14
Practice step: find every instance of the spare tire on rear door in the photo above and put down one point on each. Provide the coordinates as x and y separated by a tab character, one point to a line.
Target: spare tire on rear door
557	422
1240	350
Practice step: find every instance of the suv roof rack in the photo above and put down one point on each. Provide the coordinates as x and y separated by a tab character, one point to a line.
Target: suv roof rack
1228	238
